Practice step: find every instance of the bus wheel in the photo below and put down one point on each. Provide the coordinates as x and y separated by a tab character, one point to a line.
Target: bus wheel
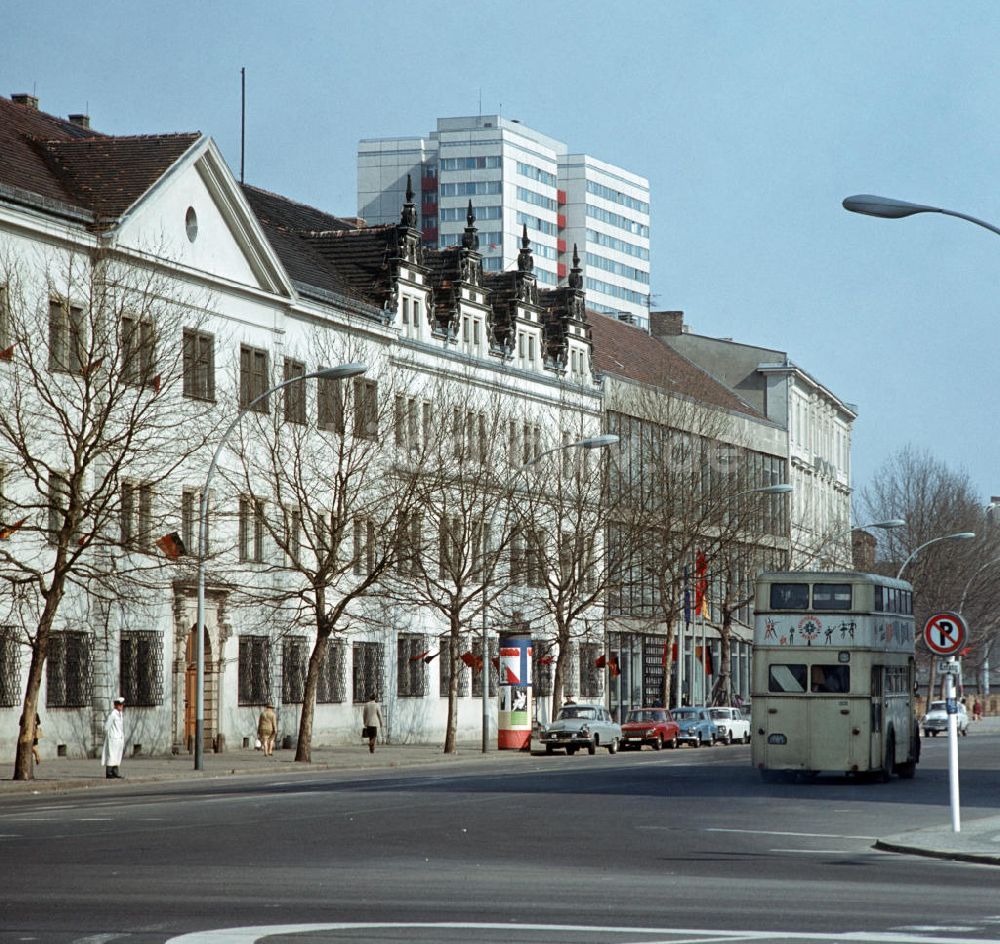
907	771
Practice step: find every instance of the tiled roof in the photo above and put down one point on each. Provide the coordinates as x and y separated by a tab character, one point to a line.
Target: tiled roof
360	259
62	161
625	351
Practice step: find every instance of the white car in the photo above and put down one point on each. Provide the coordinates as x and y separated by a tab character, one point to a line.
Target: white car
732	725
936	719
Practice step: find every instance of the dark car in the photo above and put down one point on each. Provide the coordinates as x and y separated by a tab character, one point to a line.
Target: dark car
653	726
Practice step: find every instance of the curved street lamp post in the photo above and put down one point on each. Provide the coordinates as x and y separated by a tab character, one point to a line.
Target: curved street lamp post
958	536
326	373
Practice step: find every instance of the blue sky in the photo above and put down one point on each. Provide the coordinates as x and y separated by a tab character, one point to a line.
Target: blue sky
751	120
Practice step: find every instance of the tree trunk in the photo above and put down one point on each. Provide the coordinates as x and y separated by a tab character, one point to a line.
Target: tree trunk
562	638
451	730
724	684
668	664
303	750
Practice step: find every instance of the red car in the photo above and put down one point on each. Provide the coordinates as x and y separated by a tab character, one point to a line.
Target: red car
652	726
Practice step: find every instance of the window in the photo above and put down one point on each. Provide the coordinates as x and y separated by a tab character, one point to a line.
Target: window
199	365
367	675
140	661
410	666
295	393
293	536
408	544
190	514
830	679
68	671
254	686
4	317
330	682
786	678
449	546
10	668
542	664
137	515
294	658
789	596
590	675
253	378
518	573
67	337
138	350
491	667
364	546
330	404
535	559
365	408
831	596
251	536
58	504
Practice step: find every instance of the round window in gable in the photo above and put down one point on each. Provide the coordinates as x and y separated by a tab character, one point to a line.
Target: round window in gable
191	224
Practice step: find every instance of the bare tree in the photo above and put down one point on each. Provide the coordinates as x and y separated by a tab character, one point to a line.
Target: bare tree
333	475
936	500
93	420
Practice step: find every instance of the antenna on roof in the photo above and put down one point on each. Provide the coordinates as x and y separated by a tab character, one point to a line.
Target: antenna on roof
243	120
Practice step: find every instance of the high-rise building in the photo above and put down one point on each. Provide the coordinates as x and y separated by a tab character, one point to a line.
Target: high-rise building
516	177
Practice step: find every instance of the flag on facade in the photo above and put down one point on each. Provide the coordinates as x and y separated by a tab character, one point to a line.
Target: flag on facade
7	354
419	656
430	658
601	661
701	585
613	668
473	661
171	545
8	530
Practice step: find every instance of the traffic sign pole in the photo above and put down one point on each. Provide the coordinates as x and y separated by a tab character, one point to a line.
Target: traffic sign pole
956	815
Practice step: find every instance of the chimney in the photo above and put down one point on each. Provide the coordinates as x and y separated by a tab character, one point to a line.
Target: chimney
23	98
666	323
82	120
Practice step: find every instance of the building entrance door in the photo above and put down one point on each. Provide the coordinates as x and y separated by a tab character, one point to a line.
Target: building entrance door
191	693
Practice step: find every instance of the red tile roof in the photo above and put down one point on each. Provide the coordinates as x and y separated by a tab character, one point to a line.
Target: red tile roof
629	352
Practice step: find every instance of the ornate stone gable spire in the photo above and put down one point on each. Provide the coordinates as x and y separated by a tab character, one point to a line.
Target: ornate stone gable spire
470	238
576	273
525	261
408	217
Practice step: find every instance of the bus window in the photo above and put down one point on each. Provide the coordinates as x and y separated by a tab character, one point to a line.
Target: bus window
831	596
830	679
786	678
789	596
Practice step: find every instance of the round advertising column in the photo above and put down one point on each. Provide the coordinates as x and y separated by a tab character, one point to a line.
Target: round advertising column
514	716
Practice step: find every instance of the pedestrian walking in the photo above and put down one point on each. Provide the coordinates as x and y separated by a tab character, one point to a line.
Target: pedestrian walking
977	710
35	735
114	740
267	729
371	720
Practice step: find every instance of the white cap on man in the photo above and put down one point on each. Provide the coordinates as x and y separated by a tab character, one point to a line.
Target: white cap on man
119	700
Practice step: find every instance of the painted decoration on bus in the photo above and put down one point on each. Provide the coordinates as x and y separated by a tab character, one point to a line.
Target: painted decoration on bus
819	630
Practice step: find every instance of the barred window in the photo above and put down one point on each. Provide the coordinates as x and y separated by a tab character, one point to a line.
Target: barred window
140	660
330	684
199	364
542	664
444	667
254	670
294	660
491	667
10	668
68	671
367	671
590	674
410	666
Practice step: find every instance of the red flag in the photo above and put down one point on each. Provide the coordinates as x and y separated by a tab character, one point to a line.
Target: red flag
546	660
155	384
474	662
495	662
7	354
600	662
7	531
422	655
432	656
613	667
93	365
701	584
171	545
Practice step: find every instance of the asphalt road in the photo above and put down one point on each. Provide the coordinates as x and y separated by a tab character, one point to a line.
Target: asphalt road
674	846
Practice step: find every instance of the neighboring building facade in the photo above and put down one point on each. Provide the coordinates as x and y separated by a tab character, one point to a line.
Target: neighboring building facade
817	422
517	177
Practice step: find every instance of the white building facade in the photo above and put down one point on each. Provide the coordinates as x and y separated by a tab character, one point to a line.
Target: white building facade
516	177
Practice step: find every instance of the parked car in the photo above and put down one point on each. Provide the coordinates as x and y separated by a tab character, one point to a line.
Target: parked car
696	726
653	726
576	726
732	724
936	719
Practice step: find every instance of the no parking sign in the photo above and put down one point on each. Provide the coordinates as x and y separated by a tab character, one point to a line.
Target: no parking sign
945	633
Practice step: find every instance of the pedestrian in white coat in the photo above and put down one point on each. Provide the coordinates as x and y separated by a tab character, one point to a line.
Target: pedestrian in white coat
114	740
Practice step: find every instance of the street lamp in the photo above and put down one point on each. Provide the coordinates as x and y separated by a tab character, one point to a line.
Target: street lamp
326	373
975	573
959	536
591	442
886	525
888	209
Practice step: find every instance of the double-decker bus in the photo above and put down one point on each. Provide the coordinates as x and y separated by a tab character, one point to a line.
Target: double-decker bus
833	675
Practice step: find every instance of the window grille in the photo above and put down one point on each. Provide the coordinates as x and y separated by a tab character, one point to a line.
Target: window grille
367	671
590	675
141	668
69	673
491	667
410	666
199	364
254	670
294	660
444	667
541	673
10	668
330	684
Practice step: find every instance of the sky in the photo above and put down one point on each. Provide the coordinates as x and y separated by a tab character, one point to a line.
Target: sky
751	120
